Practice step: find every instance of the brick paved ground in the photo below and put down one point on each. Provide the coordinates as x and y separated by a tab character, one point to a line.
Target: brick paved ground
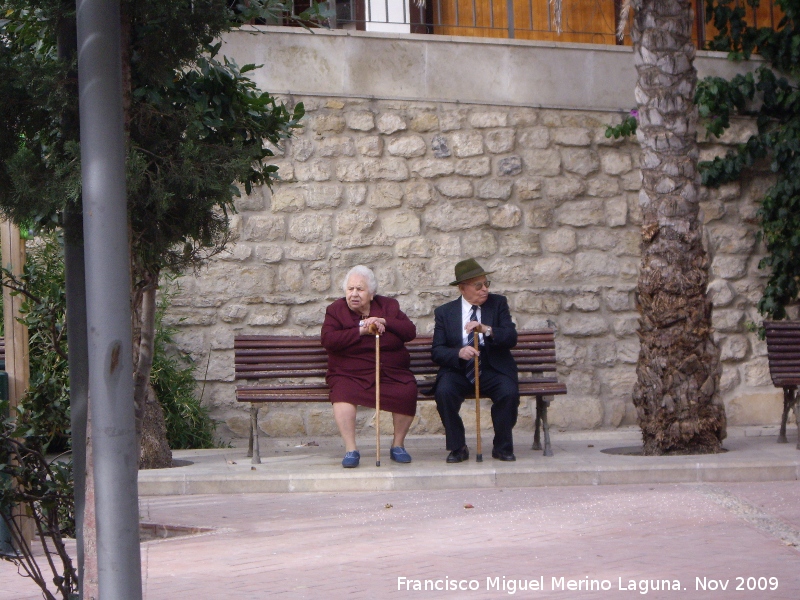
357	545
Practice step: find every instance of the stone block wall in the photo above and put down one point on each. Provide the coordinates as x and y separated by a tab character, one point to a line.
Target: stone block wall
539	196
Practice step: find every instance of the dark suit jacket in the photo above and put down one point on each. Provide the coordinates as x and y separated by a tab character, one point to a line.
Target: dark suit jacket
496	352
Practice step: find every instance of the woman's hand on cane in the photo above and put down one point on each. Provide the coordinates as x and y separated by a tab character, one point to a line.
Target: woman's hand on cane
373	326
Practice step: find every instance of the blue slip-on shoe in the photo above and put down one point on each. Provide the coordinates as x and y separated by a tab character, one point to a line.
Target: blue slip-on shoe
351	459
399	454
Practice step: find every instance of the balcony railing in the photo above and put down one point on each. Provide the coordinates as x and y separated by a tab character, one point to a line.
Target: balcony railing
583	21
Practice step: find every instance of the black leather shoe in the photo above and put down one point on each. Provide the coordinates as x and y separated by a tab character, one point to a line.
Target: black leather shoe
500	455
457	456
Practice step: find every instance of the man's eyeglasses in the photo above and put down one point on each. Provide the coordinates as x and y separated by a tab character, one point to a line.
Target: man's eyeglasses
479	285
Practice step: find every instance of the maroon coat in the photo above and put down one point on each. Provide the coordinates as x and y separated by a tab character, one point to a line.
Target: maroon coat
351	357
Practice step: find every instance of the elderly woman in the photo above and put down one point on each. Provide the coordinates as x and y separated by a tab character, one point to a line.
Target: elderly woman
351	361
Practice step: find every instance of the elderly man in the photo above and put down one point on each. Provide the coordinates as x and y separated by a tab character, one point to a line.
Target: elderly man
475	312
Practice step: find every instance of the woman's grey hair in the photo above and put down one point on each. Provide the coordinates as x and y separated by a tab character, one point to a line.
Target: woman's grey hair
366	273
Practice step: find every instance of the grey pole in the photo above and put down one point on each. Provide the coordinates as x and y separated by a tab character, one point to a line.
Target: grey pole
108	278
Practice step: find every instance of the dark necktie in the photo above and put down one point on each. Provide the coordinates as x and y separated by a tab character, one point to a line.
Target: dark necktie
473	316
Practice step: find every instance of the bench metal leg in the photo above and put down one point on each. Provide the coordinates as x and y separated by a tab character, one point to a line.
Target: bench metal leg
796	408
253	448
541	417
788	402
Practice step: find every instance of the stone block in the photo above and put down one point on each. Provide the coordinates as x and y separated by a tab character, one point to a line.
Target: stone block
413	248
575	412
500	141
482	244
301	149
264	228
521	244
583	301
321	195
615	162
534	137
456	216
401	224
755	409
305	251
322	124
407	146
234	313
386	195
733	348
251	202
729	267
555	267
528	188
466	144
523	117
582	325
756	373
282	422
729	239
287	199
617	300
316	170
616	212
451	120
727	319
236	253
362	120
268	315
631	181
580	161
511	165
474	167
319	421
602	186
495	189
730	378
506	216
542	162
426	121
390	169
628	351
389	123
370	145
540	214
418	194
454	187
534	302
290	276
336	146
307	228
720	293
596	264
308	317
440	147
334	104
560	189
239	425
484	119
625	325
712	211
355	221
562	241
429	168
580	213
572	136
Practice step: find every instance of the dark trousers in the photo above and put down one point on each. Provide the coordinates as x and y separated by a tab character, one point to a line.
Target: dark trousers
451	389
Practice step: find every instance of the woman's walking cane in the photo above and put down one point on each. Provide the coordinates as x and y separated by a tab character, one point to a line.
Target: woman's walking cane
374	329
479	455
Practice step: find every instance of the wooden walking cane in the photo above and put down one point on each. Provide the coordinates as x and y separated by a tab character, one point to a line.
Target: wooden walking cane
374	329
479	455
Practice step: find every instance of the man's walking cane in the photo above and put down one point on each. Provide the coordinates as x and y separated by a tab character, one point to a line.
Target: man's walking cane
479	455
374	329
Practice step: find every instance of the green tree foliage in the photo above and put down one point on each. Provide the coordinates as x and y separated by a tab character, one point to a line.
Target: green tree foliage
770	95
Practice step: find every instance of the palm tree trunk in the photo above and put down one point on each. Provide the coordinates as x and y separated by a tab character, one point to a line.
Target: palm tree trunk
678	369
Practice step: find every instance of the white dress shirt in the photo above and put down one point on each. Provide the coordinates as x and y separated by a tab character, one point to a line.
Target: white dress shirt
466	309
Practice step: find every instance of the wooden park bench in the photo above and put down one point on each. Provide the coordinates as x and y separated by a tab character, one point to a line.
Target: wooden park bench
292	369
783	352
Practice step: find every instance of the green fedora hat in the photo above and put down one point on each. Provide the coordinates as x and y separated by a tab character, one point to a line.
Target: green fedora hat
467	269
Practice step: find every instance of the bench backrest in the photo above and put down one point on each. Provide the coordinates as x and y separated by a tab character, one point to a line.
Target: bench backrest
275	356
783	351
